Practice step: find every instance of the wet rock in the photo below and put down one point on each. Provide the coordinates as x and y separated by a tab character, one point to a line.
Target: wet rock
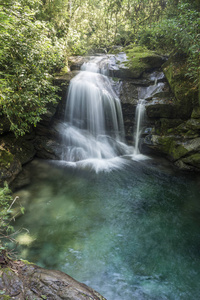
22	148
47	148
75	62
10	166
161	110
21	280
22	179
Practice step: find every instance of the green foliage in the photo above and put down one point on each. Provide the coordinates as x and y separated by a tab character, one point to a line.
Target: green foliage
177	32
30	53
5	206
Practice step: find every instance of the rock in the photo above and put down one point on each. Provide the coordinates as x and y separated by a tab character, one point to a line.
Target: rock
193	160
4	125
10	166
22	179
22	148
47	148
186	95
161	110
129	92
196	113
22	280
141	60
75	62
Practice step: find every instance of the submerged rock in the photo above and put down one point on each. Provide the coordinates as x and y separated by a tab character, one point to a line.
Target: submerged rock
21	280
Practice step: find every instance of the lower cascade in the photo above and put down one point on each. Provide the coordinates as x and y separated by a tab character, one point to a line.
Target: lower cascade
93	131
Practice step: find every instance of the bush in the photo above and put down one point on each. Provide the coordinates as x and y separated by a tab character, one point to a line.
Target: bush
178	33
30	53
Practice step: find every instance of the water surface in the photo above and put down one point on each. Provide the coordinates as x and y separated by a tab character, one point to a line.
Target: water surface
131	233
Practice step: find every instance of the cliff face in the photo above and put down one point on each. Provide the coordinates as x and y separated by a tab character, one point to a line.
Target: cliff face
176	130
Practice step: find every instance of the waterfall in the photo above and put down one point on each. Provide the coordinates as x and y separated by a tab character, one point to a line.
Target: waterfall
93	127
140	111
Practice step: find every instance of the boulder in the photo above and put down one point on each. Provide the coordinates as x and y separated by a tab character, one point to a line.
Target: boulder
186	94
21	280
161	110
141	60
10	166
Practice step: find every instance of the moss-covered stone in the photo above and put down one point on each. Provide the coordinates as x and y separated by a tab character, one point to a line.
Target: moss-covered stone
166	126
196	113
141	59
161	111
6	158
186	94
193	160
9	166
177	151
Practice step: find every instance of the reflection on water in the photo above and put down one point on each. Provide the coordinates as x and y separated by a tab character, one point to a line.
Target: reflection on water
132	233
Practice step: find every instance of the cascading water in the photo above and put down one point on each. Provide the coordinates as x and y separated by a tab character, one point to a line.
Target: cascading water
94	130
145	93
140	111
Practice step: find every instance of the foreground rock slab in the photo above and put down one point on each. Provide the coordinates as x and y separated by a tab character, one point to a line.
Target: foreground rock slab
21	280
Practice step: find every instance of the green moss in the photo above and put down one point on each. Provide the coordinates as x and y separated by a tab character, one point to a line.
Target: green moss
26	262
177	152
193	160
141	58
170	147
165	143
6	158
186	94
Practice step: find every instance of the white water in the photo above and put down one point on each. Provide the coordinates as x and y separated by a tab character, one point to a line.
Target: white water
93	132
140	111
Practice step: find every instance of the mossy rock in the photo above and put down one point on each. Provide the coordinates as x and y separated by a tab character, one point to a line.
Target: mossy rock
166	126
193	160
196	113
21	148
177	149
10	166
140	60
161	111
186	94
6	158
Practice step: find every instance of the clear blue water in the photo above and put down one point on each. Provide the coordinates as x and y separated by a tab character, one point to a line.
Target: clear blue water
132	233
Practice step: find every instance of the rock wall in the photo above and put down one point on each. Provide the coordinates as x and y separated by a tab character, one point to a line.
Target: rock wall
176	130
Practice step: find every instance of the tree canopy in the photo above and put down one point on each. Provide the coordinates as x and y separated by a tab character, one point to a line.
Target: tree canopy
38	35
